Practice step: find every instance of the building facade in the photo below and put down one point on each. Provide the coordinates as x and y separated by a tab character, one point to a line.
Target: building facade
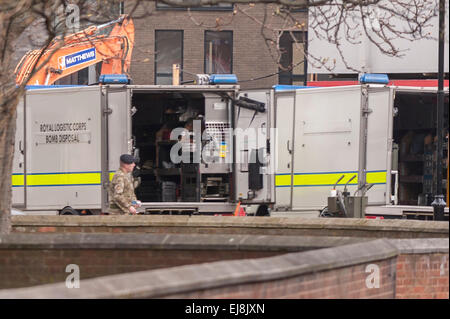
227	38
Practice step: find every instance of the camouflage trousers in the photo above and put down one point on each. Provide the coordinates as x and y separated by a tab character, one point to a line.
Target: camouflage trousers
112	211
115	210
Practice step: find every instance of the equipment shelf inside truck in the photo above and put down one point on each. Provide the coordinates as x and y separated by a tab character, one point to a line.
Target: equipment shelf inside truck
415	134
157	115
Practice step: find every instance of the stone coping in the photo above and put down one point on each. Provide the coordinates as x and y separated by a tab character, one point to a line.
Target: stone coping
171	241
235	222
163	282
422	245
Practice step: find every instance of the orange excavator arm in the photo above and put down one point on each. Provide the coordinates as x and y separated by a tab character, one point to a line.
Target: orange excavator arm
79	50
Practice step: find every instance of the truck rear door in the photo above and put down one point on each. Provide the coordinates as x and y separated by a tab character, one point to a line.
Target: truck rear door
18	193
63	148
379	144
118	140
284	124
254	135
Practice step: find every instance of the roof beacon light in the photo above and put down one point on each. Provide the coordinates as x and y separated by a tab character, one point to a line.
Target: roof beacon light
374	78
284	87
223	79
114	79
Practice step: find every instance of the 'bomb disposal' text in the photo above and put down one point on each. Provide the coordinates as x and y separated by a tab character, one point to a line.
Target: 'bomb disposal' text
62	138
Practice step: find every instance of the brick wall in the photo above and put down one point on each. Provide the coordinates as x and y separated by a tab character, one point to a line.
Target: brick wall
407	268
251	56
342	283
27	267
36	259
422	276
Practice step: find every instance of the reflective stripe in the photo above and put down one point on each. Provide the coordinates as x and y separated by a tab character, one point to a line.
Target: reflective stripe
376	177
17	180
63	179
323	179
283	180
327	179
59	179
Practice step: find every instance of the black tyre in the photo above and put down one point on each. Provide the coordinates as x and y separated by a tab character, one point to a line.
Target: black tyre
69	211
263	210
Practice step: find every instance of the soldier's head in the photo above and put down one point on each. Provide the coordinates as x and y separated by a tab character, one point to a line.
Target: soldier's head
127	162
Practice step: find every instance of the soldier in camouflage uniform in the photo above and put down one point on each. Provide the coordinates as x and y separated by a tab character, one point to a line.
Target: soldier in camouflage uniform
121	188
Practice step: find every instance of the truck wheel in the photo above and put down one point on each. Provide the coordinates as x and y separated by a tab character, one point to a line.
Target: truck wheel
263	210
69	211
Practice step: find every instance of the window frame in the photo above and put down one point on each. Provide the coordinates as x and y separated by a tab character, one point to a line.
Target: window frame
205	49
156	74
296	77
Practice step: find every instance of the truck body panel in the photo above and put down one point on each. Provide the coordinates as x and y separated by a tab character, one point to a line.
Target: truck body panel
62	162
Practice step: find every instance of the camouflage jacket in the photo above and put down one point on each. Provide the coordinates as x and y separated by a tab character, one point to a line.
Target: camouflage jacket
121	192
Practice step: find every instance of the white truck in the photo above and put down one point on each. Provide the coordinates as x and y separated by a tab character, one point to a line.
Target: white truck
69	140
380	134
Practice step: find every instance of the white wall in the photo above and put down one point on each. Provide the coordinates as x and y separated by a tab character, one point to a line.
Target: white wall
420	56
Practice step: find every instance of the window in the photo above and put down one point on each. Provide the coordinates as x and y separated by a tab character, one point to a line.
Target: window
216	7
168	51
293	46
218	52
86	76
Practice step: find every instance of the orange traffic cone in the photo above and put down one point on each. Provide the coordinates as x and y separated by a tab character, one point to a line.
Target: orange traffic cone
239	211
236	211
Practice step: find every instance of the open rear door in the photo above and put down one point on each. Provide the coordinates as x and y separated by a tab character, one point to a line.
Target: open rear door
284	124
254	134
379	144
63	150
117	141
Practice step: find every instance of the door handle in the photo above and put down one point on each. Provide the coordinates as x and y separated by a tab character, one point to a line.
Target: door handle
21	158
288	148
394	197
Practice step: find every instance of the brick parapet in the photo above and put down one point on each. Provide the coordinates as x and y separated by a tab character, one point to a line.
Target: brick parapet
336	272
138	241
233	225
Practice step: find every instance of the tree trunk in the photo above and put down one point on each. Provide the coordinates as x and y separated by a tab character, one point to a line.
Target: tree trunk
7	139
14	18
